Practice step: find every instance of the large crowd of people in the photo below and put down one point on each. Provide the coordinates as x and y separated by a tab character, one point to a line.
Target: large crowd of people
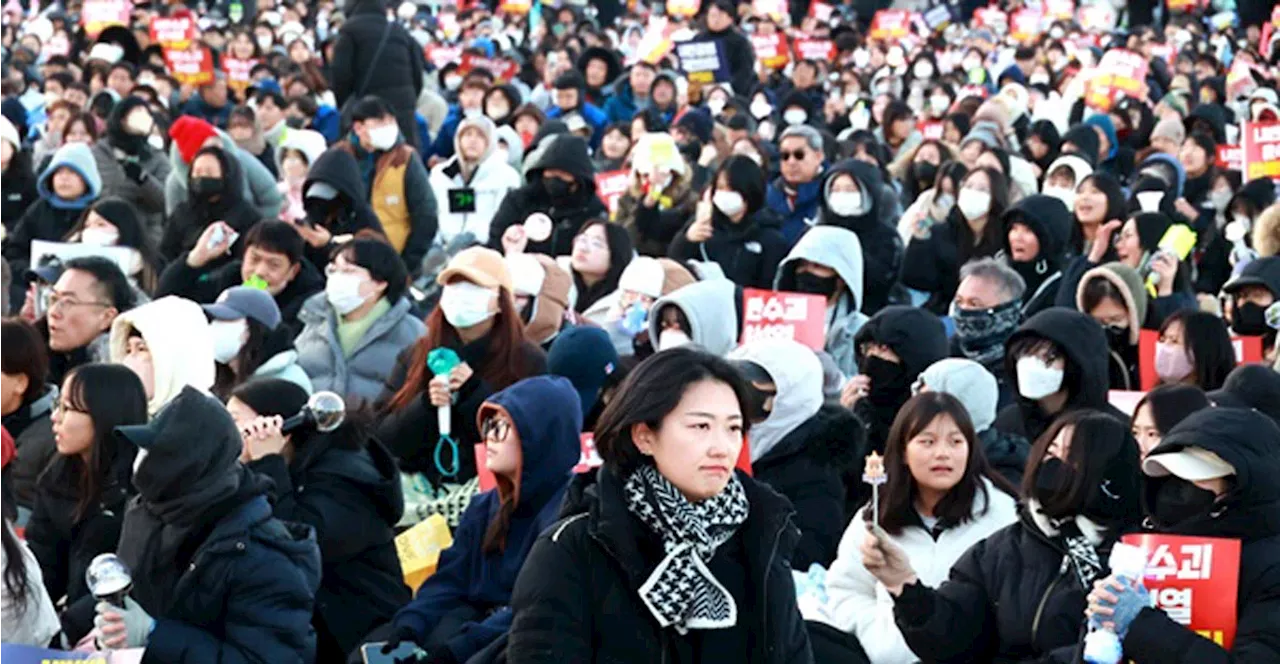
712	330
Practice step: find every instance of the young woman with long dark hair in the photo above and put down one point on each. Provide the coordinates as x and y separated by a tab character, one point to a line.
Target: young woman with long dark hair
26	402
1194	349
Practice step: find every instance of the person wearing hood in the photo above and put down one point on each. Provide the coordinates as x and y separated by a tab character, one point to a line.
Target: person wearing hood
719	21
1239	217
345	485
795	196
114	222
500	104
694	133
215	199
213	571
1114	158
395	181
130	167
1249	294
704	313
1113	294
472	183
530	434
168	345
1041	145
894	346
849	200
1058	361
1099	199
600	68
632	94
510	148
569	97
17	177
249	341
189	135
799	446
298	150
560	183
1063	177
1083	141
377	56
470	97
244	130
337	206
940	499
1037	231
541	291
67	187
26	403
661	198
974	386
1211	476
826	262
1081	494
734	228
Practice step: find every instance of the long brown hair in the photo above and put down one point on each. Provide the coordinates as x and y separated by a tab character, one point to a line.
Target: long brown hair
504	364
495	536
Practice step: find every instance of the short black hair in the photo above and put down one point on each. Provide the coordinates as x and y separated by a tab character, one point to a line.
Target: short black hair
23	352
745	177
381	260
569	80
370	107
278	237
65	79
127	67
112	283
305	104
272	96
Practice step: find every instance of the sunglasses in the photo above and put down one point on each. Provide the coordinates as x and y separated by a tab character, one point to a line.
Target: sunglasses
495	428
798	155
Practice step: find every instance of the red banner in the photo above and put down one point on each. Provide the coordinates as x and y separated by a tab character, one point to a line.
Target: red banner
1230	157
1060	10
238	70
1024	25
173	32
1261	147
776	10
771	50
821	11
815	49
98	15
1121	73
193	66
1248	351
502	69
890	24
992	18
439	56
1194	580
778	315
610	186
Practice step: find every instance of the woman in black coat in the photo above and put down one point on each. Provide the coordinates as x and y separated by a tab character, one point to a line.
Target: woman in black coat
1019	595
345	485
882	248
216	194
713	575
560	183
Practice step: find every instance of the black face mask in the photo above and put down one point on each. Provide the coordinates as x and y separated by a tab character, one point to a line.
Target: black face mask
756	410
318	210
207	187
1249	319
1117	337
1053	479
296	123
925	173
812	283
1178	501
890	384
557	189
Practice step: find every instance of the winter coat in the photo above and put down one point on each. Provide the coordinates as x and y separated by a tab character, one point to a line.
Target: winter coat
192	216
737	49
623	105
363	372
217	116
932	264
799	215
204	286
31	621
349	492
1051	223
258	187
51	218
18	186
492	179
840	250
882	247
32	429
179	342
396	76
576	600
338	169
591	114
397	187
1251	514
547	416
858	603
1006	453
919	340
133	170
562	152
653	228
713	309
749	251
284	366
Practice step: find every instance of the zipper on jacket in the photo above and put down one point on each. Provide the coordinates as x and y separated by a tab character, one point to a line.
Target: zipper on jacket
1044	599
777	538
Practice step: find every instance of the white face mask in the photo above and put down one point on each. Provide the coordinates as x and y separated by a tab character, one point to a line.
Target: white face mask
1064	194
845	203
729	202
1037	380
1237	229
673	339
715	106
452	82
466	305
760	109
265	42
922	69
973	203
228	338
384	137
139	123
156	141
99	237
1149	201
939	104
343	292
795	116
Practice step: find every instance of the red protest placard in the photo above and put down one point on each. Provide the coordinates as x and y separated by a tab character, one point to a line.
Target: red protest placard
520	7
502	69
992	18
771	50
1261	147
611	185
683	8
815	49
238	72
779	315
1240	81
890	24
1060	10
1248	351
1194	580
821	11
1097	17
439	55
1121	73
175	32
1024	25
193	66
1230	157
98	15
776	10
931	130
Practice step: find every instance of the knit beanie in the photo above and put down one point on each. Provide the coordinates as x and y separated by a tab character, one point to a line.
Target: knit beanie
118	211
1170	129
643	275
272	397
586	356
968	382
190	134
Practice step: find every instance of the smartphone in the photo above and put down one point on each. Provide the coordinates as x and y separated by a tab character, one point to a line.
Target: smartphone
405	653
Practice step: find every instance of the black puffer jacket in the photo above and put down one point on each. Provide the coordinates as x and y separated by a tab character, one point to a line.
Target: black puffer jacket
806	467
749	251
396	77
204	286
1050	220
576	600
1248	441
338	169
932	264
192	216
919	339
31	426
565	153
18	185
882	248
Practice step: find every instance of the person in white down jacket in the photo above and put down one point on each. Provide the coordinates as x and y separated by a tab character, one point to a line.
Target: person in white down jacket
940	499
472	183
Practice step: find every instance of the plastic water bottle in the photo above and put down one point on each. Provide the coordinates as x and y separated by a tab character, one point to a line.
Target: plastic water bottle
1102	646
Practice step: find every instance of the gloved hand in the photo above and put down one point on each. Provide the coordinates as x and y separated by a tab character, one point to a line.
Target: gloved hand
123	628
1117	600
398	636
133	170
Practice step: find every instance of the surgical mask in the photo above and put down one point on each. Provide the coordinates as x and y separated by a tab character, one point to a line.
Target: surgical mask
228	338
51	98
668	339
384	137
343	292
1064	194
795	116
1037	380
939	104
1172	362
922	69
760	109
1039	79
973	203
99	237
156	141
1149	201
265	42
139	123
715	106
452	82
466	304
729	202
1237	229
845	203
850	99
1219	199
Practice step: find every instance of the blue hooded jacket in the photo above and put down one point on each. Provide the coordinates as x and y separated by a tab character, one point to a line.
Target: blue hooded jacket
548	417
1103	122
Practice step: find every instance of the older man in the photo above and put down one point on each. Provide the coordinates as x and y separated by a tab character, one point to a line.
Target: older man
797	193
987	309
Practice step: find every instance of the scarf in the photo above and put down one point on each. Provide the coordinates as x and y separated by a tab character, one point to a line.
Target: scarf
1082	555
982	333
681	591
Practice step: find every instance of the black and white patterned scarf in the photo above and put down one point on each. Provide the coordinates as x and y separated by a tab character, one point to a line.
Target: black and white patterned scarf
1082	554
682	592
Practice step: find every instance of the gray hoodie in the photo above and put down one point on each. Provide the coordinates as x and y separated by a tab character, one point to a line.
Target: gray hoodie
712	310
839	249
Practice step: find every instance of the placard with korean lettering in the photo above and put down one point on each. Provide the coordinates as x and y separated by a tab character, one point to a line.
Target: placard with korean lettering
610	186
1194	580
1261	144
780	315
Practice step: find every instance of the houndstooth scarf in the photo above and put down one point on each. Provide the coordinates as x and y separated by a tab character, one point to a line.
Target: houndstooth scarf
681	591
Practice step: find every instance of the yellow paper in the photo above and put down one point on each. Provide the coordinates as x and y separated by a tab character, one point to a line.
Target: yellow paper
419	549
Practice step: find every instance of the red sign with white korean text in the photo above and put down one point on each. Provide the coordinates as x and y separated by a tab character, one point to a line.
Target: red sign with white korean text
439	55
779	315
1194	580
771	50
610	186
175	32
1099	17
1230	157
1060	10
815	49
1121	73
930	130
501	68
776	10
1248	351
98	15
1261	144
890	24
821	11
193	66
238	70
1024	25
992	18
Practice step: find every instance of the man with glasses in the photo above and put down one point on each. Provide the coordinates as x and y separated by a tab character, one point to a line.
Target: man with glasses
85	300
797	193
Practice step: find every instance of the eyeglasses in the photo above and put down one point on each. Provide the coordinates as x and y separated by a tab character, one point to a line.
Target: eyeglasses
57	302
62	408
798	155
495	428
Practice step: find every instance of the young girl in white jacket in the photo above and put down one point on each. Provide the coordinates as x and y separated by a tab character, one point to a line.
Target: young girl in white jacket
471	185
940	499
